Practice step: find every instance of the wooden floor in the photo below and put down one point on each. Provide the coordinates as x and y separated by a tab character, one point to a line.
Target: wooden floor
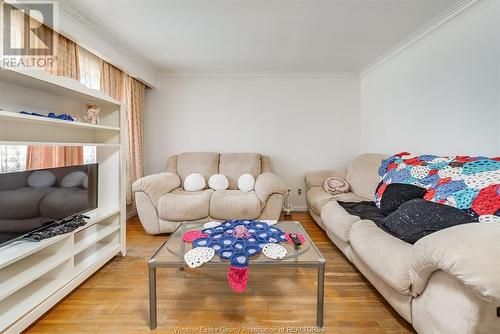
115	299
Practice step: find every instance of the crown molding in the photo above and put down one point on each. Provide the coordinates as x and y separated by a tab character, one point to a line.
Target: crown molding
258	74
448	18
83	17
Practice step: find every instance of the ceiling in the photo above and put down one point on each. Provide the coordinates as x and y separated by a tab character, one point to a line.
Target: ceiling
271	36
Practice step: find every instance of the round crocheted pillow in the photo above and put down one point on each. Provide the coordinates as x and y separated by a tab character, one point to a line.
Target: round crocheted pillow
336	185
218	182
246	182
194	182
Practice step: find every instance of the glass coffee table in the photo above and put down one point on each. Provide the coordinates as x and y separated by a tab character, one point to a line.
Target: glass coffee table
171	255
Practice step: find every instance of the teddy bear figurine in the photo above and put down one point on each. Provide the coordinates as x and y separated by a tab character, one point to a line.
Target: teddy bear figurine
92	113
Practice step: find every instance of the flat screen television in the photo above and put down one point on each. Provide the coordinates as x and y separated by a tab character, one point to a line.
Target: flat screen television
31	200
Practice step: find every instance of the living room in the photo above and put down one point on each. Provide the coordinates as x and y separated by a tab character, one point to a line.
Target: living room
250	166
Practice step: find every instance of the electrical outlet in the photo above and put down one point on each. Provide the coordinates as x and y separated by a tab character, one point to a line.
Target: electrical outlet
299	192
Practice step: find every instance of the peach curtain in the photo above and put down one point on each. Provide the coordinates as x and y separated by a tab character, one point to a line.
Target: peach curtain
66	58
135	132
53	156
130	92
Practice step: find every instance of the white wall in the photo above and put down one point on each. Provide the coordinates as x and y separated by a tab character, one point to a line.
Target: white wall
303	123
441	95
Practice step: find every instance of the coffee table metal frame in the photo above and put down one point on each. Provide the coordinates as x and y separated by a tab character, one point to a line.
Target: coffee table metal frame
153	264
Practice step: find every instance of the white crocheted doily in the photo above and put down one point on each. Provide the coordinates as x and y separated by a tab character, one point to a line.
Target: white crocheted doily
269	222
274	251
198	256
211	224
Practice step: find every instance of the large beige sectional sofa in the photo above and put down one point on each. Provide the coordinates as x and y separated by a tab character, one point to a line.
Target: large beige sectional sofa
447	282
162	203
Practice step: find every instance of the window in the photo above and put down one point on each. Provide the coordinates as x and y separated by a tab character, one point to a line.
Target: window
90	68
13	158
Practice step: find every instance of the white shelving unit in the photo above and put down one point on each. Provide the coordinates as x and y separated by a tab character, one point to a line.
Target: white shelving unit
34	276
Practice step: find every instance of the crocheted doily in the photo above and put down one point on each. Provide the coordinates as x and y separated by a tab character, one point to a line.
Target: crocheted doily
269	222
211	224
237	278
198	256
193	235
274	251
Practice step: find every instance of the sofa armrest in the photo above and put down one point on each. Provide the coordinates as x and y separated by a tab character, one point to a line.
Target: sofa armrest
470	253
157	185
318	178
267	184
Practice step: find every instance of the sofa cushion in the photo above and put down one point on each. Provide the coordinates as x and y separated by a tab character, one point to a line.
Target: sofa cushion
233	165
180	205
317	197
362	174
337	221
235	204
385	255
204	163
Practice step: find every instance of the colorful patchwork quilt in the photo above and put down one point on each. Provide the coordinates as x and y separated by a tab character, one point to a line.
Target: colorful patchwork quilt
468	183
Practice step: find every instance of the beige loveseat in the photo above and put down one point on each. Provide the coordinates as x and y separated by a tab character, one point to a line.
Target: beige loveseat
162	203
447	282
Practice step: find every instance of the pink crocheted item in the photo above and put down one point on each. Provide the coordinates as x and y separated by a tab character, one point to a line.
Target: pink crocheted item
301	238
189	236
237	278
241	231
336	185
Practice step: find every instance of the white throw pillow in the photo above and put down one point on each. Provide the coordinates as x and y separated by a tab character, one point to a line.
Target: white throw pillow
218	182
194	182
73	179
246	182
41	179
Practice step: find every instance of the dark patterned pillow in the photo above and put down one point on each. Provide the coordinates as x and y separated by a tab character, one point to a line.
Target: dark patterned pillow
417	218
396	194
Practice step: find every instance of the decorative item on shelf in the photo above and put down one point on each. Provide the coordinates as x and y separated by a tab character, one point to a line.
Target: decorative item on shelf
64	117
236	241
92	114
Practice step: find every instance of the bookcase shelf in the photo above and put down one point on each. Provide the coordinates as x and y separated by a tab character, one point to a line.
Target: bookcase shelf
94	236
34	276
22	301
22	273
13	116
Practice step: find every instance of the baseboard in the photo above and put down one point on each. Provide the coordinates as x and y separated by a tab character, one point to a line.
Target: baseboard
300	208
131	212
